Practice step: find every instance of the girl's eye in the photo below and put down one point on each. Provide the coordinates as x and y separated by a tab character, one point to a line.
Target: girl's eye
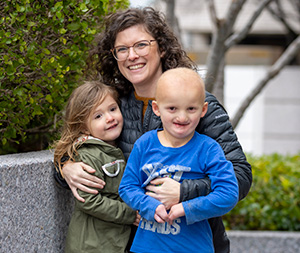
113	109
98	116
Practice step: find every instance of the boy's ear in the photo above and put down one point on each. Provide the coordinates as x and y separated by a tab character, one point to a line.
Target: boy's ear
204	109
155	108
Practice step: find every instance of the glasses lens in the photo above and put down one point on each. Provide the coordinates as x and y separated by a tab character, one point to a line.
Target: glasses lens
142	47
121	53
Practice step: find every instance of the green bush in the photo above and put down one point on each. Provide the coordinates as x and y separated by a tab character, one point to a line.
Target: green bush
273	202
43	47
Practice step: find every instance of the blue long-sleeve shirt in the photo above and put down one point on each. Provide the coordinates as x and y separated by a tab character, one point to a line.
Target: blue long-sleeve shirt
200	157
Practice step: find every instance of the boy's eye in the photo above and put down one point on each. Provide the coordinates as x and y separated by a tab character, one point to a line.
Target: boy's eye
191	108
172	109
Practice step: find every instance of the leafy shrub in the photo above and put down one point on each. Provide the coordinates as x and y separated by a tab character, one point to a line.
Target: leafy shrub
43	46
273	202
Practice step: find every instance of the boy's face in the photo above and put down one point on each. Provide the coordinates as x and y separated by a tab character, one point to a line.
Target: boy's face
106	121
180	109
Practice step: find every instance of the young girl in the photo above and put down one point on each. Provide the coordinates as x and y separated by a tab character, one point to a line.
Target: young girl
93	122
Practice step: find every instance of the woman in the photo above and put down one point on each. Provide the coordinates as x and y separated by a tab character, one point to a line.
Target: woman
135	48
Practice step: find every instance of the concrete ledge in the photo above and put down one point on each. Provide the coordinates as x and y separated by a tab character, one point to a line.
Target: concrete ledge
264	241
35	212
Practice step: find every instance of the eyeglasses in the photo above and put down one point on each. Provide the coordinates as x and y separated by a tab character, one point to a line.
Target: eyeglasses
141	48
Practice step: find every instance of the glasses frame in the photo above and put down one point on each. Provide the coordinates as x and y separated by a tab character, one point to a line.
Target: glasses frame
114	49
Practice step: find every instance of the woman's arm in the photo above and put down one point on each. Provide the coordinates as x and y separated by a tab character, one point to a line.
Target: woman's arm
102	206
76	176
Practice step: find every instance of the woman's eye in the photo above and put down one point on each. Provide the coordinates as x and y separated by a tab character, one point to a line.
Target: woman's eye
121	49
141	45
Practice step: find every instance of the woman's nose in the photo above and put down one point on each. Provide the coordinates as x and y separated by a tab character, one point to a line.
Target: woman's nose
132	54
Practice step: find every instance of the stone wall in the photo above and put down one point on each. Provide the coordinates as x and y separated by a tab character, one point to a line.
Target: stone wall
35	211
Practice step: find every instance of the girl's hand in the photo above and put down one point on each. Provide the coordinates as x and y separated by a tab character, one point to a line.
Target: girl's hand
77	178
165	190
137	219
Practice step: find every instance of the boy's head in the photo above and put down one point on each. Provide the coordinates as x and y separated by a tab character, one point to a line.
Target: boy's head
179	101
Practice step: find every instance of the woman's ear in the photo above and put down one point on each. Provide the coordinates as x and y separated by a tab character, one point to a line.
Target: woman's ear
155	108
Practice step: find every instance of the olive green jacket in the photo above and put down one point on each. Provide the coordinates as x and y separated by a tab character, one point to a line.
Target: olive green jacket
102	222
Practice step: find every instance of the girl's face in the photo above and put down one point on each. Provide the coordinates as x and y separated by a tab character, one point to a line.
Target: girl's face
106	121
142	71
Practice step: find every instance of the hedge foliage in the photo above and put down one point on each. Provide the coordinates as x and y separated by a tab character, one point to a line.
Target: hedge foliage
43	47
273	202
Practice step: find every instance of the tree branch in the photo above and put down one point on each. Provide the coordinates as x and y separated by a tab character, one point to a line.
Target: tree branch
213	13
232	14
280	15
285	58
217	51
237	37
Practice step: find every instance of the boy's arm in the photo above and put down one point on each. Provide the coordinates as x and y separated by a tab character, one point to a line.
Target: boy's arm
224	194
130	189
216	125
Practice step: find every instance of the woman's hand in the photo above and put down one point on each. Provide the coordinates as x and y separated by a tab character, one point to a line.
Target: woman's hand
77	177
166	190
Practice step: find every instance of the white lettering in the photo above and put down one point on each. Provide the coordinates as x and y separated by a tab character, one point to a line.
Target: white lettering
161	228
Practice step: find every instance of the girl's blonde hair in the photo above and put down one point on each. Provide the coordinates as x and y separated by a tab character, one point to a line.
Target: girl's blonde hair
80	105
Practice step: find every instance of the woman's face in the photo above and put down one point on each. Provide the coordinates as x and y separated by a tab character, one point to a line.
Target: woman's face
142	71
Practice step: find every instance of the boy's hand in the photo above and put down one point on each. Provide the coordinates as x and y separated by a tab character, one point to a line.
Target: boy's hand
175	212
161	215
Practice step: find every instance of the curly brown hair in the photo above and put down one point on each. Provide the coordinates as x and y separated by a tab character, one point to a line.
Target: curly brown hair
102	60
